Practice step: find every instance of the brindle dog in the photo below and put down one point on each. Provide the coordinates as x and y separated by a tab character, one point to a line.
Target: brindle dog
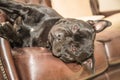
69	39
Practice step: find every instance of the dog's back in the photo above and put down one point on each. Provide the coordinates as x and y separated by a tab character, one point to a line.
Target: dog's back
36	20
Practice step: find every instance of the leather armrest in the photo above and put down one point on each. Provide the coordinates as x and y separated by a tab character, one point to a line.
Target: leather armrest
113	51
2	16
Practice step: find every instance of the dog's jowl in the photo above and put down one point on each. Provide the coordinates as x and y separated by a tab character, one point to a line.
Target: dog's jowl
69	39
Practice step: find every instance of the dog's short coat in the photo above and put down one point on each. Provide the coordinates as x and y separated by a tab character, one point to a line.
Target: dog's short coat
70	39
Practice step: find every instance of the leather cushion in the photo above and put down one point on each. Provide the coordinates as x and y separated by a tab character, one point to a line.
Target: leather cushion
39	64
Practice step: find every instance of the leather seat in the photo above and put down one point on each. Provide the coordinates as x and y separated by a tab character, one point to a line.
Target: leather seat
38	64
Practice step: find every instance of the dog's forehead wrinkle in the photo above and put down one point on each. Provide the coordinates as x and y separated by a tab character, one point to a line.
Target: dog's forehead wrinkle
75	25
61	30
86	25
87	30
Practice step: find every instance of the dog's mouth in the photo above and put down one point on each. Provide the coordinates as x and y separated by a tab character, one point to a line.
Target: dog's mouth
72	55
86	61
72	52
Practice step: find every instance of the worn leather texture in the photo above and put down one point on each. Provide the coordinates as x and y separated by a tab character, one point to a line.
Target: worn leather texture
2	16
38	63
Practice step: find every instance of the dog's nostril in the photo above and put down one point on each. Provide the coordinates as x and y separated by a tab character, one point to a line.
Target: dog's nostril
91	50
58	50
73	48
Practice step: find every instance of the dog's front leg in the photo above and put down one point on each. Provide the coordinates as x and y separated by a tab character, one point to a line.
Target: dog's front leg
7	31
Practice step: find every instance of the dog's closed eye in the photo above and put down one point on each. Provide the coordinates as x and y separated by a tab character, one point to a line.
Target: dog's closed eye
78	37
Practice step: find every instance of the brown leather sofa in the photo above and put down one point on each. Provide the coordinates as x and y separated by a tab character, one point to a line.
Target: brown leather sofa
38	63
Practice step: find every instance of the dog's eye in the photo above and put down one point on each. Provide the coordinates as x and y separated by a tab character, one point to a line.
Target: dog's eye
78	37
59	36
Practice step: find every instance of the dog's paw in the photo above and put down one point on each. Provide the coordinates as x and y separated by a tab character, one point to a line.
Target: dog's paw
5	23
7	31
5	28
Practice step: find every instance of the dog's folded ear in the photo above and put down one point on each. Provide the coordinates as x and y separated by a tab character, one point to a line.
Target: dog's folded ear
99	25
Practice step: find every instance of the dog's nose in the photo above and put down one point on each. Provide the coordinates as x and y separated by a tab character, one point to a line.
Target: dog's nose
73	48
83	56
76	37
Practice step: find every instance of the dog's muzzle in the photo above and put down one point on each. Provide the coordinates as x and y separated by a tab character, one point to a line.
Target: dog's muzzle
72	53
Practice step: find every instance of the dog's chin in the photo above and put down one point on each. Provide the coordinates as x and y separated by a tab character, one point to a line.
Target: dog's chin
67	54
65	57
67	60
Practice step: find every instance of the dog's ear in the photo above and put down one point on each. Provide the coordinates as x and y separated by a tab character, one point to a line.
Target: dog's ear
99	25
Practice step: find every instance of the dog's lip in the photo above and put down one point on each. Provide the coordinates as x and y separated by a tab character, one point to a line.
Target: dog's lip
57	55
81	58
74	49
65	59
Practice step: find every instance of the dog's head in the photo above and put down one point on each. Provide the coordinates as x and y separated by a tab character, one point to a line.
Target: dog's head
73	40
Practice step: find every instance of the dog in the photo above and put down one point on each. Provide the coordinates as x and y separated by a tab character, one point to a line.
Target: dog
69	39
